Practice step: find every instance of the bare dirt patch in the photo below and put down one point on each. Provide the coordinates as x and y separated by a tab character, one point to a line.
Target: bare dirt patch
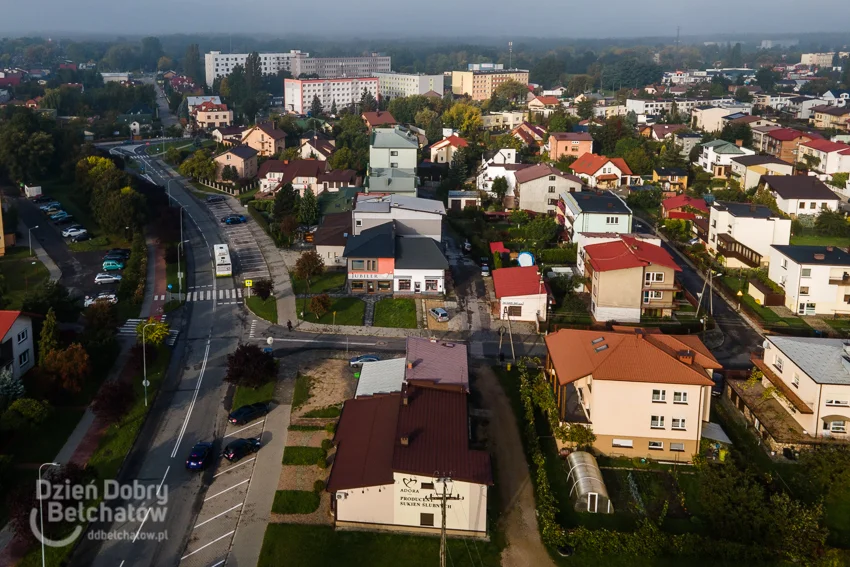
332	383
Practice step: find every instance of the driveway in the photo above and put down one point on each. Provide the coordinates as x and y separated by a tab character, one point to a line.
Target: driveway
518	516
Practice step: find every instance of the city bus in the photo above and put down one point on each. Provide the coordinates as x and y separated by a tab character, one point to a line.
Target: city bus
221	261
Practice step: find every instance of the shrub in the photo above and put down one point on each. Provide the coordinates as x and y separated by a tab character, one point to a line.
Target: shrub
331	428
566	255
263	288
320	304
322	462
250	367
136	362
327	444
113	400
318	486
25	414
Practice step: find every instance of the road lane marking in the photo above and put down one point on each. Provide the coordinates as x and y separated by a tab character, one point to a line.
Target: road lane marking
234	466
226	490
194	398
231	532
148	510
217	516
246	427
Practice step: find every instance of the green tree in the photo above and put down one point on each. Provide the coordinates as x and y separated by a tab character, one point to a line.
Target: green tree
464	118
840	179
308	208
766	78
25	414
367	101
253	75
735	132
743	95
52	295
512	91
11	388
198	166
155	331
540	231
585	107
192	63
249	367
151	52
832	223
309	265
333	107
70	365
263	288
342	159
49	339
316	107
639	161
285	202
500	188
560	122
320	304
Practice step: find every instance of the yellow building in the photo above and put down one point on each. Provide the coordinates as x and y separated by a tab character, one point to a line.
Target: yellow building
835	117
480	84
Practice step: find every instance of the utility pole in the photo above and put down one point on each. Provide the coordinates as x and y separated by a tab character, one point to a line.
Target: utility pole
510	335
510	55
443	498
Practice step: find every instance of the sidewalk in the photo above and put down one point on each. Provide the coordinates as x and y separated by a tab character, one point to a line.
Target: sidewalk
38	250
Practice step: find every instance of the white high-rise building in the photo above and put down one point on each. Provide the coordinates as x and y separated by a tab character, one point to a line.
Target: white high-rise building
218	64
394	85
298	93
817	59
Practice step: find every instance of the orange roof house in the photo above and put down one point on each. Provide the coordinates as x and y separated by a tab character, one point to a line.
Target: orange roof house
601	171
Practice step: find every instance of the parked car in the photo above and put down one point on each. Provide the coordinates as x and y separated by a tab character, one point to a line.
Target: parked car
485	271
50	205
238	448
439	314
73	230
215	198
115	257
57	215
41	199
106	297
125	252
200	456
359	360
248	413
101	279
484	261
719	382
234	219
67	219
111	265
81	237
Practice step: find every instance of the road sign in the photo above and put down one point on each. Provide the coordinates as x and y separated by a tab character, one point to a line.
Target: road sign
249	283
146	383
169	287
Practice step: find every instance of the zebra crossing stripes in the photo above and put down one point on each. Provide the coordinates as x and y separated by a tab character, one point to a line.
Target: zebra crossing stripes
172	337
128	329
209	295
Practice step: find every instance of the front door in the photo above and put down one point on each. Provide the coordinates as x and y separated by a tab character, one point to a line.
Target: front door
370	287
417	287
592	502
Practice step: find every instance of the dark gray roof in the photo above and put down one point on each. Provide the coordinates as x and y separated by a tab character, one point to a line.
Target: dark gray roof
334	230
832	255
823	360
757	160
606	202
799	187
245	152
375	242
745	210
419	253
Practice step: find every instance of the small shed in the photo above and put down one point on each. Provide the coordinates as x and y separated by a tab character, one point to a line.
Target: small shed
587	484
460	200
763	295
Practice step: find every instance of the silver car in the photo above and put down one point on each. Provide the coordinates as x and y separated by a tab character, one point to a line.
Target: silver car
440	314
101	279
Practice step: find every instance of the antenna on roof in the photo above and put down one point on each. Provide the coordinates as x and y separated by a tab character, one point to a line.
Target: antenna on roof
510	55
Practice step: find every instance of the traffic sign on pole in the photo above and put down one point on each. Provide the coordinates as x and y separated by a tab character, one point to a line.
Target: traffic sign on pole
249	283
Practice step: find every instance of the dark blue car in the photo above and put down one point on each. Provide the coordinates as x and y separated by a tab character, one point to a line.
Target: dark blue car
234	219
200	456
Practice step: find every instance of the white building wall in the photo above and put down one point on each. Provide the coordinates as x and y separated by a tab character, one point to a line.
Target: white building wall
621	314
792	206
419	277
602	222
298	94
541	195
370	505
218	64
332	255
395	85
405	158
814	288
22	349
532	305
757	234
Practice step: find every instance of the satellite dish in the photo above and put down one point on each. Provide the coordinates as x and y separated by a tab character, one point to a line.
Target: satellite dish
525	259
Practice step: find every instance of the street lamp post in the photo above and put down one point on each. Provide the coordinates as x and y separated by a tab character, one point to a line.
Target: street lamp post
30	237
145	362
41	508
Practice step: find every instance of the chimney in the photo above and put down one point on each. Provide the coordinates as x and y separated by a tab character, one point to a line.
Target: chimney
829	249
405	400
405	441
739	143
686	356
410	364
820	257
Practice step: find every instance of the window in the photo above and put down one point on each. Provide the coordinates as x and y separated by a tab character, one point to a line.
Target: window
551	178
612	220
651	277
778	362
836	426
427	486
358	222
659	395
657	422
812	205
385	285
551	188
680	397
628	443
656	445
430	285
404	285
393	153
426	520
678	423
835	402
394	164
679	447
652	296
23	335
784	263
802	204
806	309
795	381
358	265
804	290
806	273
24	358
714	224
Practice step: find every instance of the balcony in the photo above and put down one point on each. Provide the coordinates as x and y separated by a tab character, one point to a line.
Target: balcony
730	248
757	358
843	280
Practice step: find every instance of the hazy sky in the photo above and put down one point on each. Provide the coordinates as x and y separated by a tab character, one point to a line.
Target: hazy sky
399	18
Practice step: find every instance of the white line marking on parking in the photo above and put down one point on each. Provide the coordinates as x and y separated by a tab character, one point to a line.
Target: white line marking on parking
226	490
220	562
194	398
207	545
246	427
234	466
217	516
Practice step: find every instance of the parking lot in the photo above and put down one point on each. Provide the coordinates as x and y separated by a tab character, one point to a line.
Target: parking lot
244	251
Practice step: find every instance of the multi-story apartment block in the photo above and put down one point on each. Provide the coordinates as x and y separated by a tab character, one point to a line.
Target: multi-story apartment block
831	117
817	59
218	64
827	157
643	393
684	106
784	143
395	85
709	118
743	233
392	160
298	94
480	84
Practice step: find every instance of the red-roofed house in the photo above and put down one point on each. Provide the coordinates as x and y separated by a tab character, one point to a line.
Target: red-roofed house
782	143
444	150
544	105
530	135
378	119
601	171
827	157
683	204
209	116
16	347
628	278
521	294
573	144
391	449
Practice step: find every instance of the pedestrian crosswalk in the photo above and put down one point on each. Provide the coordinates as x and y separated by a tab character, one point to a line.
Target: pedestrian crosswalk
211	294
128	329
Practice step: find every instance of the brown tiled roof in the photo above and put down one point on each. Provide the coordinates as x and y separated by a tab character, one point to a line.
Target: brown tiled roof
333	230
434	421
633	356
443	362
293	169
379	118
542	170
271	131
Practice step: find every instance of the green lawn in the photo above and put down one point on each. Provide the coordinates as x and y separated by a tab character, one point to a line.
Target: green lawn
155	147
51	435
303	455
349	311
264	309
328	282
399	313
767	315
329	411
295	502
313	546
245	396
301	392
20	273
305	427
204	190
809	238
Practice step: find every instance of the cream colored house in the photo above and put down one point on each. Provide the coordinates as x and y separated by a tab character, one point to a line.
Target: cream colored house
643	394
266	139
628	278
444	150
243	158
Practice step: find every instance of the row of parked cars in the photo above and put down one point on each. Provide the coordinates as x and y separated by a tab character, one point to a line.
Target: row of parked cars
113	261
54	211
202	453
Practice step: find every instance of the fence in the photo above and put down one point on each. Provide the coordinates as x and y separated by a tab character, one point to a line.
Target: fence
228	188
